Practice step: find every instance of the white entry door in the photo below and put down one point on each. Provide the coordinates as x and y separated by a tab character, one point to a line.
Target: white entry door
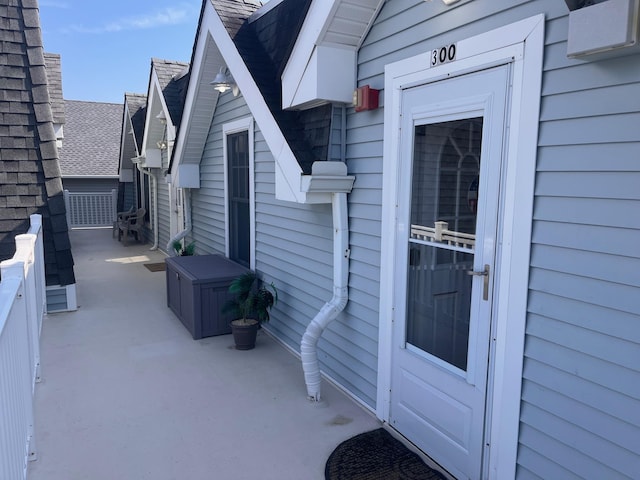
451	150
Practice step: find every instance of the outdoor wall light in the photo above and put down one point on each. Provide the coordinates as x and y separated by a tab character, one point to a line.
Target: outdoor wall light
223	82
162	117
162	145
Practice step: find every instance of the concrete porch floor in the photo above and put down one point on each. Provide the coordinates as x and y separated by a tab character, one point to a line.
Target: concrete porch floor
128	394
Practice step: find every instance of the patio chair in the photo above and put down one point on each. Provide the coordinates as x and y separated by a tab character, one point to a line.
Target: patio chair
121	216
131	224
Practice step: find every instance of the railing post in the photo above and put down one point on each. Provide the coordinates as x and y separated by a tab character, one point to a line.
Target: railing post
25	246
440	228
114	199
41	286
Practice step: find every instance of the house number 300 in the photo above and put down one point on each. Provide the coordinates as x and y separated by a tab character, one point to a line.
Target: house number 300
443	55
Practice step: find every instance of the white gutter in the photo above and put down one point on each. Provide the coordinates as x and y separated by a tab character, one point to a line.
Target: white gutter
187	227
308	345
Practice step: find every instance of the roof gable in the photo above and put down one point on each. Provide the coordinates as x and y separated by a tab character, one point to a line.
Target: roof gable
237	34
173	78
265	43
168	81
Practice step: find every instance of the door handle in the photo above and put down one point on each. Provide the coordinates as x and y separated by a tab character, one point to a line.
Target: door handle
485	281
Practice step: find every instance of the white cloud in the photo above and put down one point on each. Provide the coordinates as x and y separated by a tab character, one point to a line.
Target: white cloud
166	16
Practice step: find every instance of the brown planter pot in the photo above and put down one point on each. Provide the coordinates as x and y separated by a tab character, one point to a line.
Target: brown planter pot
244	334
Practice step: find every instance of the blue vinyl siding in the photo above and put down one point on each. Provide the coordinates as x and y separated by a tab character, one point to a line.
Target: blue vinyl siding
580	397
294	246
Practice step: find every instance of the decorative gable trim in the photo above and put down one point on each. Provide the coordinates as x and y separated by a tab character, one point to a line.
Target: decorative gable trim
201	99
153	127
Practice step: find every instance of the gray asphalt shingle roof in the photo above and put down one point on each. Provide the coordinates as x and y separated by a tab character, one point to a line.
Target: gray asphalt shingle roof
54	77
29	170
91	145
174	79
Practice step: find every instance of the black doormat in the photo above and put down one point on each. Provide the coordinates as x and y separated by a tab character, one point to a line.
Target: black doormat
155	267
376	455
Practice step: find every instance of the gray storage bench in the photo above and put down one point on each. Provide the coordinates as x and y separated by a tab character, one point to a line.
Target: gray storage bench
197	287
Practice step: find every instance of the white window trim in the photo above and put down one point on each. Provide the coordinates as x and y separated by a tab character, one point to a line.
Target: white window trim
522	45
241	125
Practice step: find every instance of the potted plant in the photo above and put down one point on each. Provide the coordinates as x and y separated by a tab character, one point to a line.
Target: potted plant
184	251
250	304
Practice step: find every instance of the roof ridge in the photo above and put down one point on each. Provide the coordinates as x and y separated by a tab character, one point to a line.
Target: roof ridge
164	60
93	101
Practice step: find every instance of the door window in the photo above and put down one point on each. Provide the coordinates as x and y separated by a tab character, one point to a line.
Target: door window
444	201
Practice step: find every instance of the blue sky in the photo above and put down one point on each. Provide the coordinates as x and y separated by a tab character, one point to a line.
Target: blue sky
106	47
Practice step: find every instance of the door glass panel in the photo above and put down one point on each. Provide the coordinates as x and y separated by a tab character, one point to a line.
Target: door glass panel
239	217
444	202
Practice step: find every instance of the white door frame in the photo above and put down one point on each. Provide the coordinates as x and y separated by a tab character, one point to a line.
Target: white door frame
241	125
522	45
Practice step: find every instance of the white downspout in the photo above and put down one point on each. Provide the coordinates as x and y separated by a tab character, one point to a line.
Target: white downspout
187	226
155	204
156	232
308	345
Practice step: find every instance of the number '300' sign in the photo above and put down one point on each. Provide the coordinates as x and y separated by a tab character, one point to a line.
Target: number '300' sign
443	55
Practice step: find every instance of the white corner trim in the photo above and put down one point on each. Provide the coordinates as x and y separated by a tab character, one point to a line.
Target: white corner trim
288	170
522	45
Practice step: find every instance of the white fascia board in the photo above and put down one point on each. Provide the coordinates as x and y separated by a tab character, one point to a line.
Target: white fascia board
195	91
287	169
126	137
330	76
155	95
124	133
312	29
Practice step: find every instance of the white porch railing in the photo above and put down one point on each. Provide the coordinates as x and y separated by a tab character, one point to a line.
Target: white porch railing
440	233
22	306
91	209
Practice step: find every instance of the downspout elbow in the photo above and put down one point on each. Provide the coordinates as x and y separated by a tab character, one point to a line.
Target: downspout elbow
309	343
330	311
